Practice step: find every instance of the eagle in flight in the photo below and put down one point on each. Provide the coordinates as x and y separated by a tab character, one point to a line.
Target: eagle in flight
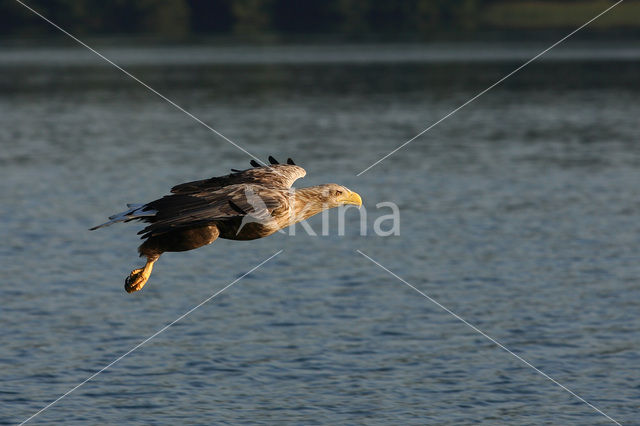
244	205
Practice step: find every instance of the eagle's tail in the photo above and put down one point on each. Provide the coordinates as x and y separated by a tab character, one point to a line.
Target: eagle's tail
136	211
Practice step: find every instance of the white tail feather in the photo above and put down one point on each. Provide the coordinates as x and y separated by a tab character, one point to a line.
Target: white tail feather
135	212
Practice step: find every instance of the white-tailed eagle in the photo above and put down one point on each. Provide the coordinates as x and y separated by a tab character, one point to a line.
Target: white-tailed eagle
244	205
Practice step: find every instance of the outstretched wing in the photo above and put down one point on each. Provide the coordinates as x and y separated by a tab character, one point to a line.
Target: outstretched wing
275	175
193	209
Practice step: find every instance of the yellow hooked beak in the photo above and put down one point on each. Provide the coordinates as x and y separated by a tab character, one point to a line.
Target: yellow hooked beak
352	198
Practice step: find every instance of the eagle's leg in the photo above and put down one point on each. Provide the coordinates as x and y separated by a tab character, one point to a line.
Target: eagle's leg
139	277
154	246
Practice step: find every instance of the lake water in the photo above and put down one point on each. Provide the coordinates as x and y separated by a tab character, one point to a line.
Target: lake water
520	213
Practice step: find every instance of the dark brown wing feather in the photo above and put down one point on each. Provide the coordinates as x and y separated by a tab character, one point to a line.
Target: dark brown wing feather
193	208
279	176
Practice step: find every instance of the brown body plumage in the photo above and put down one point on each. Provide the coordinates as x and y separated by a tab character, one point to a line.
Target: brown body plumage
244	205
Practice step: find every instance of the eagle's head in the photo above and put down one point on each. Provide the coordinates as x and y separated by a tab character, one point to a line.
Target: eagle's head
334	195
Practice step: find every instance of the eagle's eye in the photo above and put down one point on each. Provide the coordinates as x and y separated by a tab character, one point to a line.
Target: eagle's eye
338	192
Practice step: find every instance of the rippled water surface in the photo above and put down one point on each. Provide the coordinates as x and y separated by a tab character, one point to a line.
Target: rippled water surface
520	213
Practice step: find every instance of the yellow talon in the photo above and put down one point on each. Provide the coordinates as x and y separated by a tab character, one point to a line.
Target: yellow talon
138	277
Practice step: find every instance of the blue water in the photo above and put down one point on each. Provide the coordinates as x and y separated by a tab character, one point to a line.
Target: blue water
520	213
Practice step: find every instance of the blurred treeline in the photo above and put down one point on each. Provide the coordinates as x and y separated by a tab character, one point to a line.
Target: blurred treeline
343	18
